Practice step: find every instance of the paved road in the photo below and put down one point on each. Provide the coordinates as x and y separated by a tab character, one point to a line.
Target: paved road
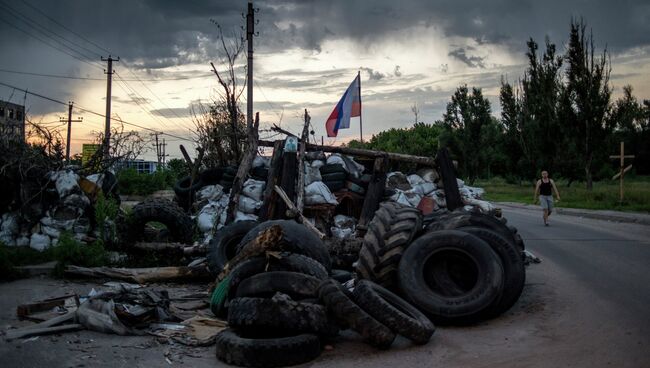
586	305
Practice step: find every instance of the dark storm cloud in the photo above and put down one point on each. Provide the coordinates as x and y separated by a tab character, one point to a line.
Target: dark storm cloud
161	33
472	61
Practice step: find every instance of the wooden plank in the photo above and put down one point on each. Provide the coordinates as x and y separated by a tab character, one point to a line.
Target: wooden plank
292	208
22	333
374	193
140	275
428	161
244	168
448	175
287	181
268	204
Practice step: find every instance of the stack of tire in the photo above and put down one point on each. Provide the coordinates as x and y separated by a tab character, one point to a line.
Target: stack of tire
464	268
334	176
271	302
282	307
185	188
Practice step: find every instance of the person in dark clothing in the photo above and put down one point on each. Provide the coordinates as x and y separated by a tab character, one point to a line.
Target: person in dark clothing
544	189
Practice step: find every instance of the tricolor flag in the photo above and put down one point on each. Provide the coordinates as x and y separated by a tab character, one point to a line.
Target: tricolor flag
349	106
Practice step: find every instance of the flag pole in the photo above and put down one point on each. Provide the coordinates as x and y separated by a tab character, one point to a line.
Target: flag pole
360	108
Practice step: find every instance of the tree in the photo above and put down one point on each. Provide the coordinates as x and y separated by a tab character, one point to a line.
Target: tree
630	121
588	96
223	121
464	120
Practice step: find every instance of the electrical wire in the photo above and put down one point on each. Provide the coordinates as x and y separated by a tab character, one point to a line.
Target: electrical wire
98	79
95	113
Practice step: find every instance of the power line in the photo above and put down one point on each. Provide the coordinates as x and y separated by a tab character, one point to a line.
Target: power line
98	79
93	112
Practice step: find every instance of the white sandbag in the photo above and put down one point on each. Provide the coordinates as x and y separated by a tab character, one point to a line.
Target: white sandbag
66	182
248	205
240	216
254	189
10	223
335	158
397	180
476	192
318	193
96	178
344	222
423	188
207	217
438	195
39	242
312	174
317	164
7	238
260	161
404	198
485	206
460	183
50	231
77	201
61	225
342	233
429	175
22	241
210	193
414	179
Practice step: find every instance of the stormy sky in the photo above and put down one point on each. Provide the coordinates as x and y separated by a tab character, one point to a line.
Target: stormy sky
307	52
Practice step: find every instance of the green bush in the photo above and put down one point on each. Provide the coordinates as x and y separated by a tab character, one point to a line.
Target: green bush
132	182
12	257
69	251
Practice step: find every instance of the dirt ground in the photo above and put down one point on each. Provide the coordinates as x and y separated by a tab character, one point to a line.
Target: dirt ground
560	321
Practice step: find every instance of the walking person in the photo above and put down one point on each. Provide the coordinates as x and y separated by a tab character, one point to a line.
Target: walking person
544	189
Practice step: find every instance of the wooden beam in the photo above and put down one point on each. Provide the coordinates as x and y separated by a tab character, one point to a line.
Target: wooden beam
268	205
428	161
288	180
301	163
292	208
374	193
448	175
244	168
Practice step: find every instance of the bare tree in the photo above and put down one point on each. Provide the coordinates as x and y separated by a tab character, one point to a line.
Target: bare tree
125	146
210	121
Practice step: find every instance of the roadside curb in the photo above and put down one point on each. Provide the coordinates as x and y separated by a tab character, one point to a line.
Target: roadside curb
615	216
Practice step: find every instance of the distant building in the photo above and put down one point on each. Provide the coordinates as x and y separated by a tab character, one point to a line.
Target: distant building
141	166
12	120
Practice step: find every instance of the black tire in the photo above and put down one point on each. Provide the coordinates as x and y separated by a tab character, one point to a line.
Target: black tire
211	176
389	233
334	186
332	168
454	220
480	273
284	262
339	302
296	285
278	315
296	238
179	225
335	176
223	247
268	352
514	270
184	191
393	311
341	275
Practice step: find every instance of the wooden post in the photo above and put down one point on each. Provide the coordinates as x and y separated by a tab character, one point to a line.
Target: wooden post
623	169
288	181
446	171
374	193
268	205
301	163
244	168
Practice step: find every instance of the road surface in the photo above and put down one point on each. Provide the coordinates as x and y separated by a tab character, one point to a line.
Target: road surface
586	305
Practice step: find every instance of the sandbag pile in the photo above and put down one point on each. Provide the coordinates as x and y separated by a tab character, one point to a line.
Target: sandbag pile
283	305
65	210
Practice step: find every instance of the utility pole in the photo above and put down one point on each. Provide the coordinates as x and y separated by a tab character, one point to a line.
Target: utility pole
70	121
157	148
164	155
109	78
250	33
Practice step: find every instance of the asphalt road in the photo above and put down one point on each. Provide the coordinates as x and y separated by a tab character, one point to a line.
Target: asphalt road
586	305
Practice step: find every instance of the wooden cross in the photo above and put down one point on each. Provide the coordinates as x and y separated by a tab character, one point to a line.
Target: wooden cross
624	169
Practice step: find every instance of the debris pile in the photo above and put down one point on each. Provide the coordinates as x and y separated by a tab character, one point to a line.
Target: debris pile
64	206
282	303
